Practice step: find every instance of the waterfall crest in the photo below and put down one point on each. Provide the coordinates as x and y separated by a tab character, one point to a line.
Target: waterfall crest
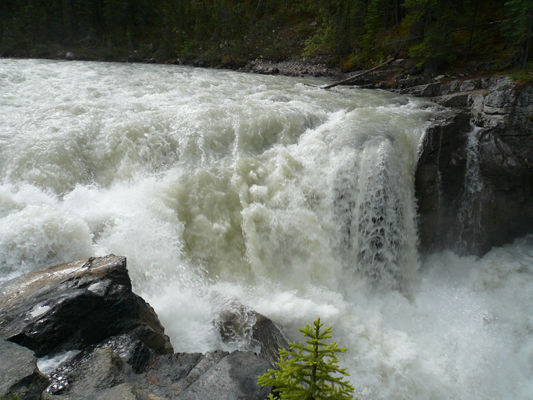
295	202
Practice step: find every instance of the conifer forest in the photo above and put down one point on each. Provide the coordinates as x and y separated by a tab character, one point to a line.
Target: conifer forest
351	34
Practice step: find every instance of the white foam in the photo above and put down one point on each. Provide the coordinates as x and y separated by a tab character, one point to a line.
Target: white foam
48	364
208	186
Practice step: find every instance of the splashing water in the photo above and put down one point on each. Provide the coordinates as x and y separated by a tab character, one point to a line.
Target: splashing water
293	201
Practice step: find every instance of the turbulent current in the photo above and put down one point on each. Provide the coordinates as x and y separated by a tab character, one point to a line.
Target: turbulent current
294	201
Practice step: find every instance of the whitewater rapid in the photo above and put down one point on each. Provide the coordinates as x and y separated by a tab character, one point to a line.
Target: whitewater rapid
295	201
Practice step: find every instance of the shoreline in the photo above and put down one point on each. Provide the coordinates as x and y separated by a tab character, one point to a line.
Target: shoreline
399	76
306	68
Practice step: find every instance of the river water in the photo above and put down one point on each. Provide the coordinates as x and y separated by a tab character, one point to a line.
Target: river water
294	201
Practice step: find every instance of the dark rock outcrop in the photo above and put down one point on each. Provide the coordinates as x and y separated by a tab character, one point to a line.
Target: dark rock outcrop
475	186
102	370
19	373
75	305
129	354
211	376
440	178
132	351
121	350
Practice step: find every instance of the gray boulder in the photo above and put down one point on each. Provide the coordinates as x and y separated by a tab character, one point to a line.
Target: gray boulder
211	376
233	378
19	373
102	370
104	364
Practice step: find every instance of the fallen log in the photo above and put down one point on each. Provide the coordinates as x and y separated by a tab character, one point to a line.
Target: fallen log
351	78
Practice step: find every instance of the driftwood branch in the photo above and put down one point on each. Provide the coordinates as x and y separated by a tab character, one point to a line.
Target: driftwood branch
360	74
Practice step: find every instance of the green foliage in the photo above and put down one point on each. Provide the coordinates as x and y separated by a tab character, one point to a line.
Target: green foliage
374	22
356	33
323	41
10	396
309	372
341	22
524	77
519	25
432	24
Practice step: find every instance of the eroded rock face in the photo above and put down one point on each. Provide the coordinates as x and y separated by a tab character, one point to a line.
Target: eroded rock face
505	119
474	186
439	179
129	355
75	305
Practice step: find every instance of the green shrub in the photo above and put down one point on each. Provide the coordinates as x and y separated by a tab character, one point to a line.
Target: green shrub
10	396
524	77
309	372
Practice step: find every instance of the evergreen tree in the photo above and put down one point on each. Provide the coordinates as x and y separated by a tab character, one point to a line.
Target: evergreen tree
519	25
374	22
310	372
433	21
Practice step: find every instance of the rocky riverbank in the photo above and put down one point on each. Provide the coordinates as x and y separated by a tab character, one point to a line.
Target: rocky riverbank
96	339
474	180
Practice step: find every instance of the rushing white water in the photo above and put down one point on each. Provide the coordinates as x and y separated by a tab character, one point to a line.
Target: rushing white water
294	201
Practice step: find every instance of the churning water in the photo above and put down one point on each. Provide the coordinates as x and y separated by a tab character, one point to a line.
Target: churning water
294	201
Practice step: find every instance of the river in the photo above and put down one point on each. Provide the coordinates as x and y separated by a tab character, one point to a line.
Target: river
295	201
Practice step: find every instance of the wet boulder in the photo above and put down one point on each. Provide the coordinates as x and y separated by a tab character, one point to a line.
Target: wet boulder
128	354
245	329
217	375
76	305
102	370
211	376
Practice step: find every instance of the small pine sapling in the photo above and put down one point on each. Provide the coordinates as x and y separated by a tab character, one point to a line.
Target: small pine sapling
309	372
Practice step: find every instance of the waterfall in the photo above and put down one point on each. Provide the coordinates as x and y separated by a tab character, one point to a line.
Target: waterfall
375	210
225	189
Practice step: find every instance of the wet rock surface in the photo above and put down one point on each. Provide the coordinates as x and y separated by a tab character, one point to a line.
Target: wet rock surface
121	351
475	186
133	356
75	305
214	375
233	378
245	329
440	179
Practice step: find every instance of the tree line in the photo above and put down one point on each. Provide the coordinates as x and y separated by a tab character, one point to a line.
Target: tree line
353	33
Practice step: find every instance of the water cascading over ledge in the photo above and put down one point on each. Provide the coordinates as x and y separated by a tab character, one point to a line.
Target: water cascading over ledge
375	211
256	188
